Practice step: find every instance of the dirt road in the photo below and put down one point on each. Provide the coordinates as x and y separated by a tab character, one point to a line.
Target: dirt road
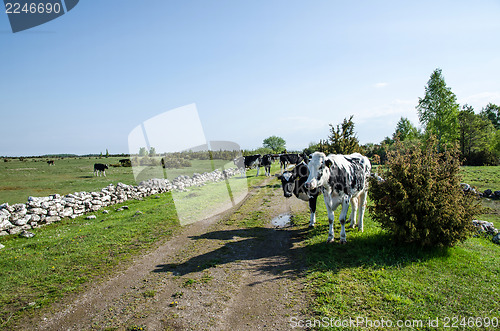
235	271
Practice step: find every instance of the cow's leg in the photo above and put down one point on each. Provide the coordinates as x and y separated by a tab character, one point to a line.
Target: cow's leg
312	208
342	219
331	218
354	211
362	207
258	169
104	173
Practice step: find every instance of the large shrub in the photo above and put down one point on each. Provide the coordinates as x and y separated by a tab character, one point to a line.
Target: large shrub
420	199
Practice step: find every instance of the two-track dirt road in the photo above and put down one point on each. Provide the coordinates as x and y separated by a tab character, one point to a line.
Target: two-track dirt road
234	271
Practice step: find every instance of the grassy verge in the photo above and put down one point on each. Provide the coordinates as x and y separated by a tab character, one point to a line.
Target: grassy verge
37	271
485	178
65	255
373	279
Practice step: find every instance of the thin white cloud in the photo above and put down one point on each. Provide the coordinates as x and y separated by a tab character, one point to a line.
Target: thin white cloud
380	85
480	100
397	107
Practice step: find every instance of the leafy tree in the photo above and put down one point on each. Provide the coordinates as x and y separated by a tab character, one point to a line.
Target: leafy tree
405	130
107	153
492	112
152	152
142	151
438	110
275	143
475	132
420	199
342	139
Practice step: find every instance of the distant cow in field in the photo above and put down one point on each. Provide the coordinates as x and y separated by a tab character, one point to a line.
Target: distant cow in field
50	162
288	159
293	182
266	162
126	162
342	179
246	162
100	168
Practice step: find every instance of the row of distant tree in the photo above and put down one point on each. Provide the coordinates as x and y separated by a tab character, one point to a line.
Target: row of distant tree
477	135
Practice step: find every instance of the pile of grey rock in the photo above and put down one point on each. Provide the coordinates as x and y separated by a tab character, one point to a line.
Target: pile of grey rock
487	229
39	211
490	194
486	194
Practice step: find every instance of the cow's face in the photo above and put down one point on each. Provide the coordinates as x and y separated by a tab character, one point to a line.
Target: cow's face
288	183
106	166
319	170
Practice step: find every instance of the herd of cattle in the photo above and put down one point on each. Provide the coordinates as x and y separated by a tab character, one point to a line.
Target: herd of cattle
342	179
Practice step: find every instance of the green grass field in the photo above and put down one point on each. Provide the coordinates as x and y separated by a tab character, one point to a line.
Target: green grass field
374	279
370	277
65	255
34	177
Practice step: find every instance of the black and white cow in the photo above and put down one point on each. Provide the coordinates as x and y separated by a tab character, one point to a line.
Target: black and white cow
100	168
50	162
266	162
342	179
246	162
293	184
287	159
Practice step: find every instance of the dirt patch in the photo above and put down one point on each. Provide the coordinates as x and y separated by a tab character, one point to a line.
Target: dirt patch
233	271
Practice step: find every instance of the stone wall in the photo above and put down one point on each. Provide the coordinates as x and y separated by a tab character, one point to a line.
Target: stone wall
39	211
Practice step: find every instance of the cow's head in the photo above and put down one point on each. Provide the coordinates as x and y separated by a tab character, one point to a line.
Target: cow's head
106	166
288	183
319	170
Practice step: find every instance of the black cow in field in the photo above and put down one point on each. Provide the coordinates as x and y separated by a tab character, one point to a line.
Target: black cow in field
126	162
293	183
100	168
246	162
50	162
266	162
287	159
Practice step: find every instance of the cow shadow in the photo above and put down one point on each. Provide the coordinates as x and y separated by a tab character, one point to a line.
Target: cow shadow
282	252
88	176
272	248
376	251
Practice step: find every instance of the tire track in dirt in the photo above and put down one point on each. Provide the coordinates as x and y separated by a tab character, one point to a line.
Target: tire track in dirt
233	271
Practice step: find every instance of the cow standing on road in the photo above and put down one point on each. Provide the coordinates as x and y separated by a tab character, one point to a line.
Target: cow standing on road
342	179
288	159
246	162
100	168
293	182
266	162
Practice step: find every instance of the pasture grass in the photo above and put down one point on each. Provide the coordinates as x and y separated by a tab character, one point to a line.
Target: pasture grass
34	177
483	178
62	256
373	278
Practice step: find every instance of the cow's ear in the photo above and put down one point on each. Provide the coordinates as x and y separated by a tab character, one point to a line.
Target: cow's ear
328	163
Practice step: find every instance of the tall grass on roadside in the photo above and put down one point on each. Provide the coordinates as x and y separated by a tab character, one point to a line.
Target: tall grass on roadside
38	271
373	278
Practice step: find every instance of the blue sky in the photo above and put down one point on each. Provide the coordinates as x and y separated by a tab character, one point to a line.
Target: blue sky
81	83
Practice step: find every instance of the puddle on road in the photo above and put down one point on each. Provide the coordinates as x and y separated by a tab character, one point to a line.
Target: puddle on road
282	220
